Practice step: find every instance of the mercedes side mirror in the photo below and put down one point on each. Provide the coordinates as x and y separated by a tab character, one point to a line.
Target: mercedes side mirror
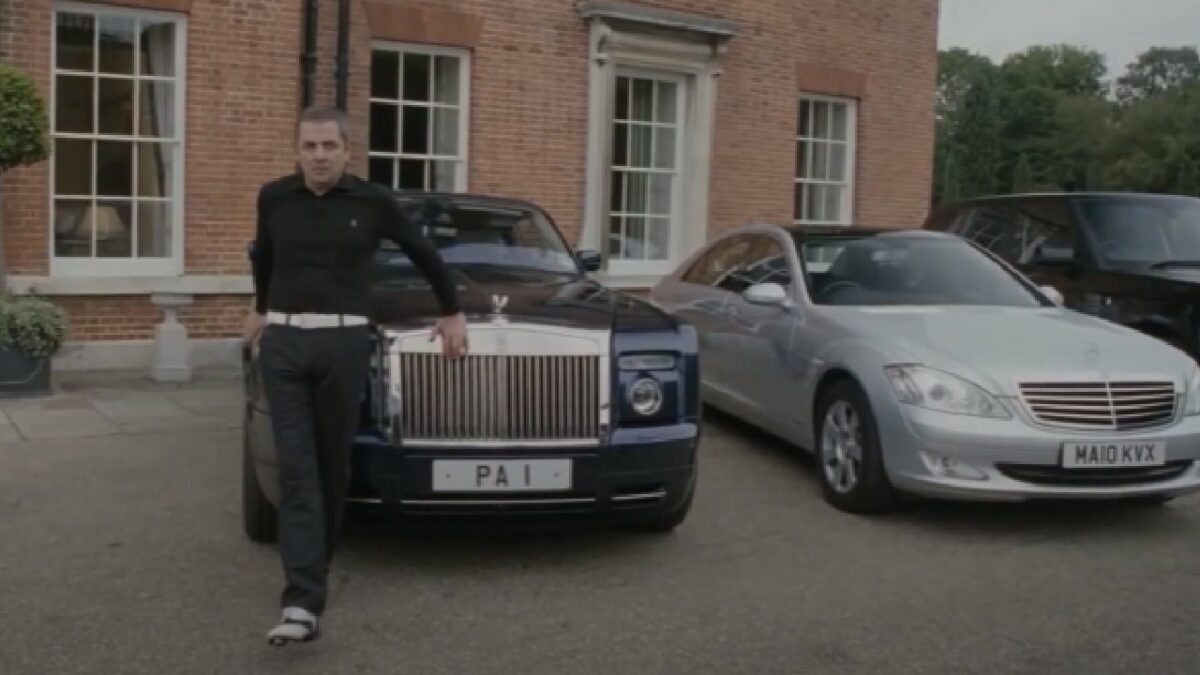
767	294
1052	294
591	260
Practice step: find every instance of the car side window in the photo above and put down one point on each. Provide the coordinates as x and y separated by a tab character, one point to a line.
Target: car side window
996	228
1044	223
711	267
764	262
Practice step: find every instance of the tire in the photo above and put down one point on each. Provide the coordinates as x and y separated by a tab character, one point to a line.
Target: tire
863	486
259	516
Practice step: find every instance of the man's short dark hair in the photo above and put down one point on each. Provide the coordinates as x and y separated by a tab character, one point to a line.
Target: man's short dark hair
327	114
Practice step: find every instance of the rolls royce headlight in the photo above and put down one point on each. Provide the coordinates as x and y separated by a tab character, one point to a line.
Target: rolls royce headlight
647	362
646	396
1193	392
941	391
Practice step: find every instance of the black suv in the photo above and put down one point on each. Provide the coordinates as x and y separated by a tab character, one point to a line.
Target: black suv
1132	258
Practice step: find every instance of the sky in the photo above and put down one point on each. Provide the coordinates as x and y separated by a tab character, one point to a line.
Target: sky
1118	29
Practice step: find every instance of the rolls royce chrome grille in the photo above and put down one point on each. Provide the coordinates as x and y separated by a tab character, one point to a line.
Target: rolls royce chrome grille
520	385
1101	405
498	398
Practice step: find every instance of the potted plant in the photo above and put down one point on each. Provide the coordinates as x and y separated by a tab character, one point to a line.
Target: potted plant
32	330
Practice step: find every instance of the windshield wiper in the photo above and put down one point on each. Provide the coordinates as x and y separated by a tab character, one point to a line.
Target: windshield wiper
1175	263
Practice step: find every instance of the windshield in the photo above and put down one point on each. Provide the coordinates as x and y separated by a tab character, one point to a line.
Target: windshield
893	269
1143	231
500	236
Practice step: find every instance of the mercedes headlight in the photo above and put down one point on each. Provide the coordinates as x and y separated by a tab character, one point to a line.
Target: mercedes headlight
941	391
1192	403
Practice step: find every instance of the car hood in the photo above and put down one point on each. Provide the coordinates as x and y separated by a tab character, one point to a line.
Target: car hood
999	347
404	300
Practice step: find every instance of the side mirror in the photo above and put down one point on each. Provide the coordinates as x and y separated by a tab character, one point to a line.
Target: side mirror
1052	294
767	294
591	260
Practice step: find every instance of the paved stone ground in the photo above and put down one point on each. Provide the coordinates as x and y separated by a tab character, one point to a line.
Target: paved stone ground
121	551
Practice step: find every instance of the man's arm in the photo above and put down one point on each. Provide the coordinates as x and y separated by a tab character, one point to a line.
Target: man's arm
397	226
262	257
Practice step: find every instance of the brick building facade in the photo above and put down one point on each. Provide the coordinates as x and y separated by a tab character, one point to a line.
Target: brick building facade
642	127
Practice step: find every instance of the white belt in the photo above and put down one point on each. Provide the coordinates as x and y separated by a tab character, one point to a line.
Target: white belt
316	320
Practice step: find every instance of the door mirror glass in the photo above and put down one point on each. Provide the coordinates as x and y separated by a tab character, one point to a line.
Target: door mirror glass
769	293
1056	256
590	260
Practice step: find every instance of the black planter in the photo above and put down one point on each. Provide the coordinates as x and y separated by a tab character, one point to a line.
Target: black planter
23	375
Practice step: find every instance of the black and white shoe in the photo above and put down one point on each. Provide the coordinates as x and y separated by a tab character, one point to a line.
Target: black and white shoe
297	625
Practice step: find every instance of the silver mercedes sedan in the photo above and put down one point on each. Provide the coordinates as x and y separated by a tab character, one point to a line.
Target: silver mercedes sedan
913	362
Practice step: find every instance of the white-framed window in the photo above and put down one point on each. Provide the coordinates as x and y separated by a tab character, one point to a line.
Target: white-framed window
645	171
420	103
825	153
117	125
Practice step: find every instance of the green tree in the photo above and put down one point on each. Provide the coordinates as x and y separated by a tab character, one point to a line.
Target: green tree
1157	71
1185	181
1023	176
968	125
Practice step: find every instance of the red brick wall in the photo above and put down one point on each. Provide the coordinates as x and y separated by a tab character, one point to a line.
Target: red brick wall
132	317
528	114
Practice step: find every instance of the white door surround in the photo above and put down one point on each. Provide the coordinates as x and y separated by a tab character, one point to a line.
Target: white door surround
680	47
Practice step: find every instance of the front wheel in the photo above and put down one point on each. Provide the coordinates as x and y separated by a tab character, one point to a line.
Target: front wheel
259	517
849	457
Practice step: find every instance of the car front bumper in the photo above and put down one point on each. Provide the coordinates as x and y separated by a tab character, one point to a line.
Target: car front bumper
944	455
637	473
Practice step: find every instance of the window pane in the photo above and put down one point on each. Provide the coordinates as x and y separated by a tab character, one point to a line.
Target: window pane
838	122
412	174
664	147
75	36
642	105
813	202
660	193
114	229
157	48
837	161
384	127
820	119
803	126
798	201
445	131
72	167
820	165
636	188
156	113
666	102
617	201
115	107
416	77
659	235
117	36
73	106
615	238
382	170
635	237
72	228
620	144
416	130
154	228
833	203
155	170
385	74
802	159
443	175
114	168
621	108
445	79
639	151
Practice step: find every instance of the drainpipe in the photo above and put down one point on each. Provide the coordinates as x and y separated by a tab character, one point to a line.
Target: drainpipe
343	51
308	58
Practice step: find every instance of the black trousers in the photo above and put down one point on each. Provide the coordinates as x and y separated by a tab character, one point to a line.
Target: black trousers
314	380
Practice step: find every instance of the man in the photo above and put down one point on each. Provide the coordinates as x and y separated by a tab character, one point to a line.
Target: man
317	234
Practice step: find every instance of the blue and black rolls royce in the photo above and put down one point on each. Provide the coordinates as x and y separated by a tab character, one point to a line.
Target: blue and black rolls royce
575	399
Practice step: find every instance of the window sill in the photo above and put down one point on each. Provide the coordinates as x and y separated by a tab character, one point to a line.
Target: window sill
197	284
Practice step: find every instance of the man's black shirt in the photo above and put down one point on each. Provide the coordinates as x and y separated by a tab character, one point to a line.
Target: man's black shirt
314	253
